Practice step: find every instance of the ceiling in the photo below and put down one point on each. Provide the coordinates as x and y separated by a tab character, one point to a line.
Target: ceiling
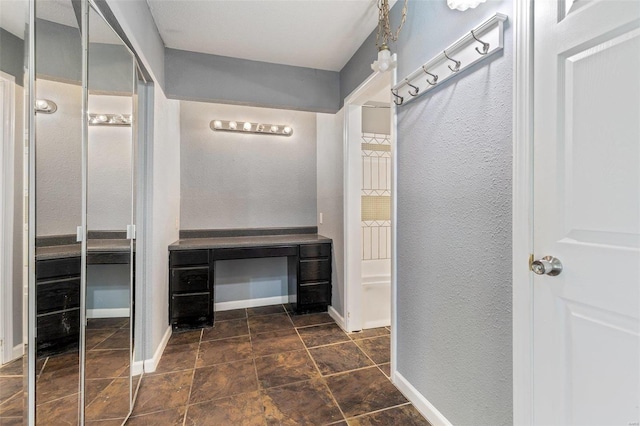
321	34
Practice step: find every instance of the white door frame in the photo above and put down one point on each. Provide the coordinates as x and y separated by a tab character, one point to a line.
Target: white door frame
352	209
7	158
523	214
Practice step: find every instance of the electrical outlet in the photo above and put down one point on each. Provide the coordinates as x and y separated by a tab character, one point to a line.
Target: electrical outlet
321	219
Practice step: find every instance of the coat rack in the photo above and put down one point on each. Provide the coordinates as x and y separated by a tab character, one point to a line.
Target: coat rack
475	46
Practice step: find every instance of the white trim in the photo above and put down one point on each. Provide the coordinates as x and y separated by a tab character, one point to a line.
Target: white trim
108	313
339	319
376	280
375	324
7	183
250	303
150	365
427	409
522	214
137	368
18	351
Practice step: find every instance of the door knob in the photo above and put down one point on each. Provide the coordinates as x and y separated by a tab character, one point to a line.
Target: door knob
548	265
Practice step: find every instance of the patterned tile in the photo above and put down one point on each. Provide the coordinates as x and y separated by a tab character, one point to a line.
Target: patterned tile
340	357
405	415
274	342
301	403
266	323
226	329
111	403
185	337
63	411
363	391
386	369
284	368
322	335
162	392
222	351
177	358
378	348
265	310
230	315
244	409
371	332
173	417
311	319
223	380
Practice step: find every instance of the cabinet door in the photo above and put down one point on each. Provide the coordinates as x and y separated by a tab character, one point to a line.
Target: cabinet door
190	280
315	270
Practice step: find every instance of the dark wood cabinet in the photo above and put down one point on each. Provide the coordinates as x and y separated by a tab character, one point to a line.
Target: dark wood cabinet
191	282
57	305
314	278
190	289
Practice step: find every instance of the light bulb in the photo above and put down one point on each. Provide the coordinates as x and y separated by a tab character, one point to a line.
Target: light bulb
42	104
286	130
246	127
463	5
102	118
217	124
260	128
274	129
233	125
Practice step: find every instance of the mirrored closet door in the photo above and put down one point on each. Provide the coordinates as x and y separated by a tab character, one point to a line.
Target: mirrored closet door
83	273
14	50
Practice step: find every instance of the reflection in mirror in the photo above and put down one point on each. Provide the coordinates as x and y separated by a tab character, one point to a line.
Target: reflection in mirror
58	208
110	212
13	205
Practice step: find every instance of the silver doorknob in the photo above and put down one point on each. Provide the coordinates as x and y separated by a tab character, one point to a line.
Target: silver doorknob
548	265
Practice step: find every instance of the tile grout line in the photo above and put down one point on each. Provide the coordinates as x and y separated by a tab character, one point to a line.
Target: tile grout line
193	375
380	410
335	401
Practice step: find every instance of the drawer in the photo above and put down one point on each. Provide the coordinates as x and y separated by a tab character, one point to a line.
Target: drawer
58	325
315	250
190	280
196	306
58	295
315	293
55	268
254	252
315	270
188	257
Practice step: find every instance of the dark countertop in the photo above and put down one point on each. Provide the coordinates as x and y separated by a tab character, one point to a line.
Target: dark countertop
73	250
251	241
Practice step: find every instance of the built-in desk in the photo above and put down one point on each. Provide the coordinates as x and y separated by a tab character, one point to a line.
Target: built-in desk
192	266
58	271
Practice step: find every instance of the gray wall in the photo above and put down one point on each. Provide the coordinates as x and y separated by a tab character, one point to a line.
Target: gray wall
235	180
18	213
12	55
58	51
203	77
454	220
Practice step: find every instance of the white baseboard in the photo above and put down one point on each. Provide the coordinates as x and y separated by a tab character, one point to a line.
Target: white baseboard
137	368
18	351
425	408
108	313
376	324
250	303
376	280
150	365
339	319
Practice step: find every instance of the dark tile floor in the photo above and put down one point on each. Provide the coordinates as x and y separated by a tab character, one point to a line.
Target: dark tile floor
266	366
107	382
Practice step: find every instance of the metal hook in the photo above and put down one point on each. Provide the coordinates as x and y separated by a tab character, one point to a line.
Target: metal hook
434	76
416	89
485	46
395	101
456	67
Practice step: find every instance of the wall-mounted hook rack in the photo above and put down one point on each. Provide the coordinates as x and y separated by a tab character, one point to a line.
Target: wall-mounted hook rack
490	33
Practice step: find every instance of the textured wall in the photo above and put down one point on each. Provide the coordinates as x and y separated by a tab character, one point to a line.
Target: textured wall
330	196
454	221
204	77
235	180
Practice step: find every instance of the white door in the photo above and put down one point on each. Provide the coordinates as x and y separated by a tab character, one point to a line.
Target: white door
587	212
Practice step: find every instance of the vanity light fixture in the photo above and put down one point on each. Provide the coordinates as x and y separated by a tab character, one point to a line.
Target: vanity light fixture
249	127
110	119
46	106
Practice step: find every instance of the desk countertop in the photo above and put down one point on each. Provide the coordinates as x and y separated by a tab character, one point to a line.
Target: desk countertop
73	250
252	241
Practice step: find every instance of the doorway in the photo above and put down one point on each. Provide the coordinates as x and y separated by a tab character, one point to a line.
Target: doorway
368	200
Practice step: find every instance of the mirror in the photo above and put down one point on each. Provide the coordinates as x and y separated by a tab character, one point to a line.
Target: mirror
110	214
13	205
58	210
